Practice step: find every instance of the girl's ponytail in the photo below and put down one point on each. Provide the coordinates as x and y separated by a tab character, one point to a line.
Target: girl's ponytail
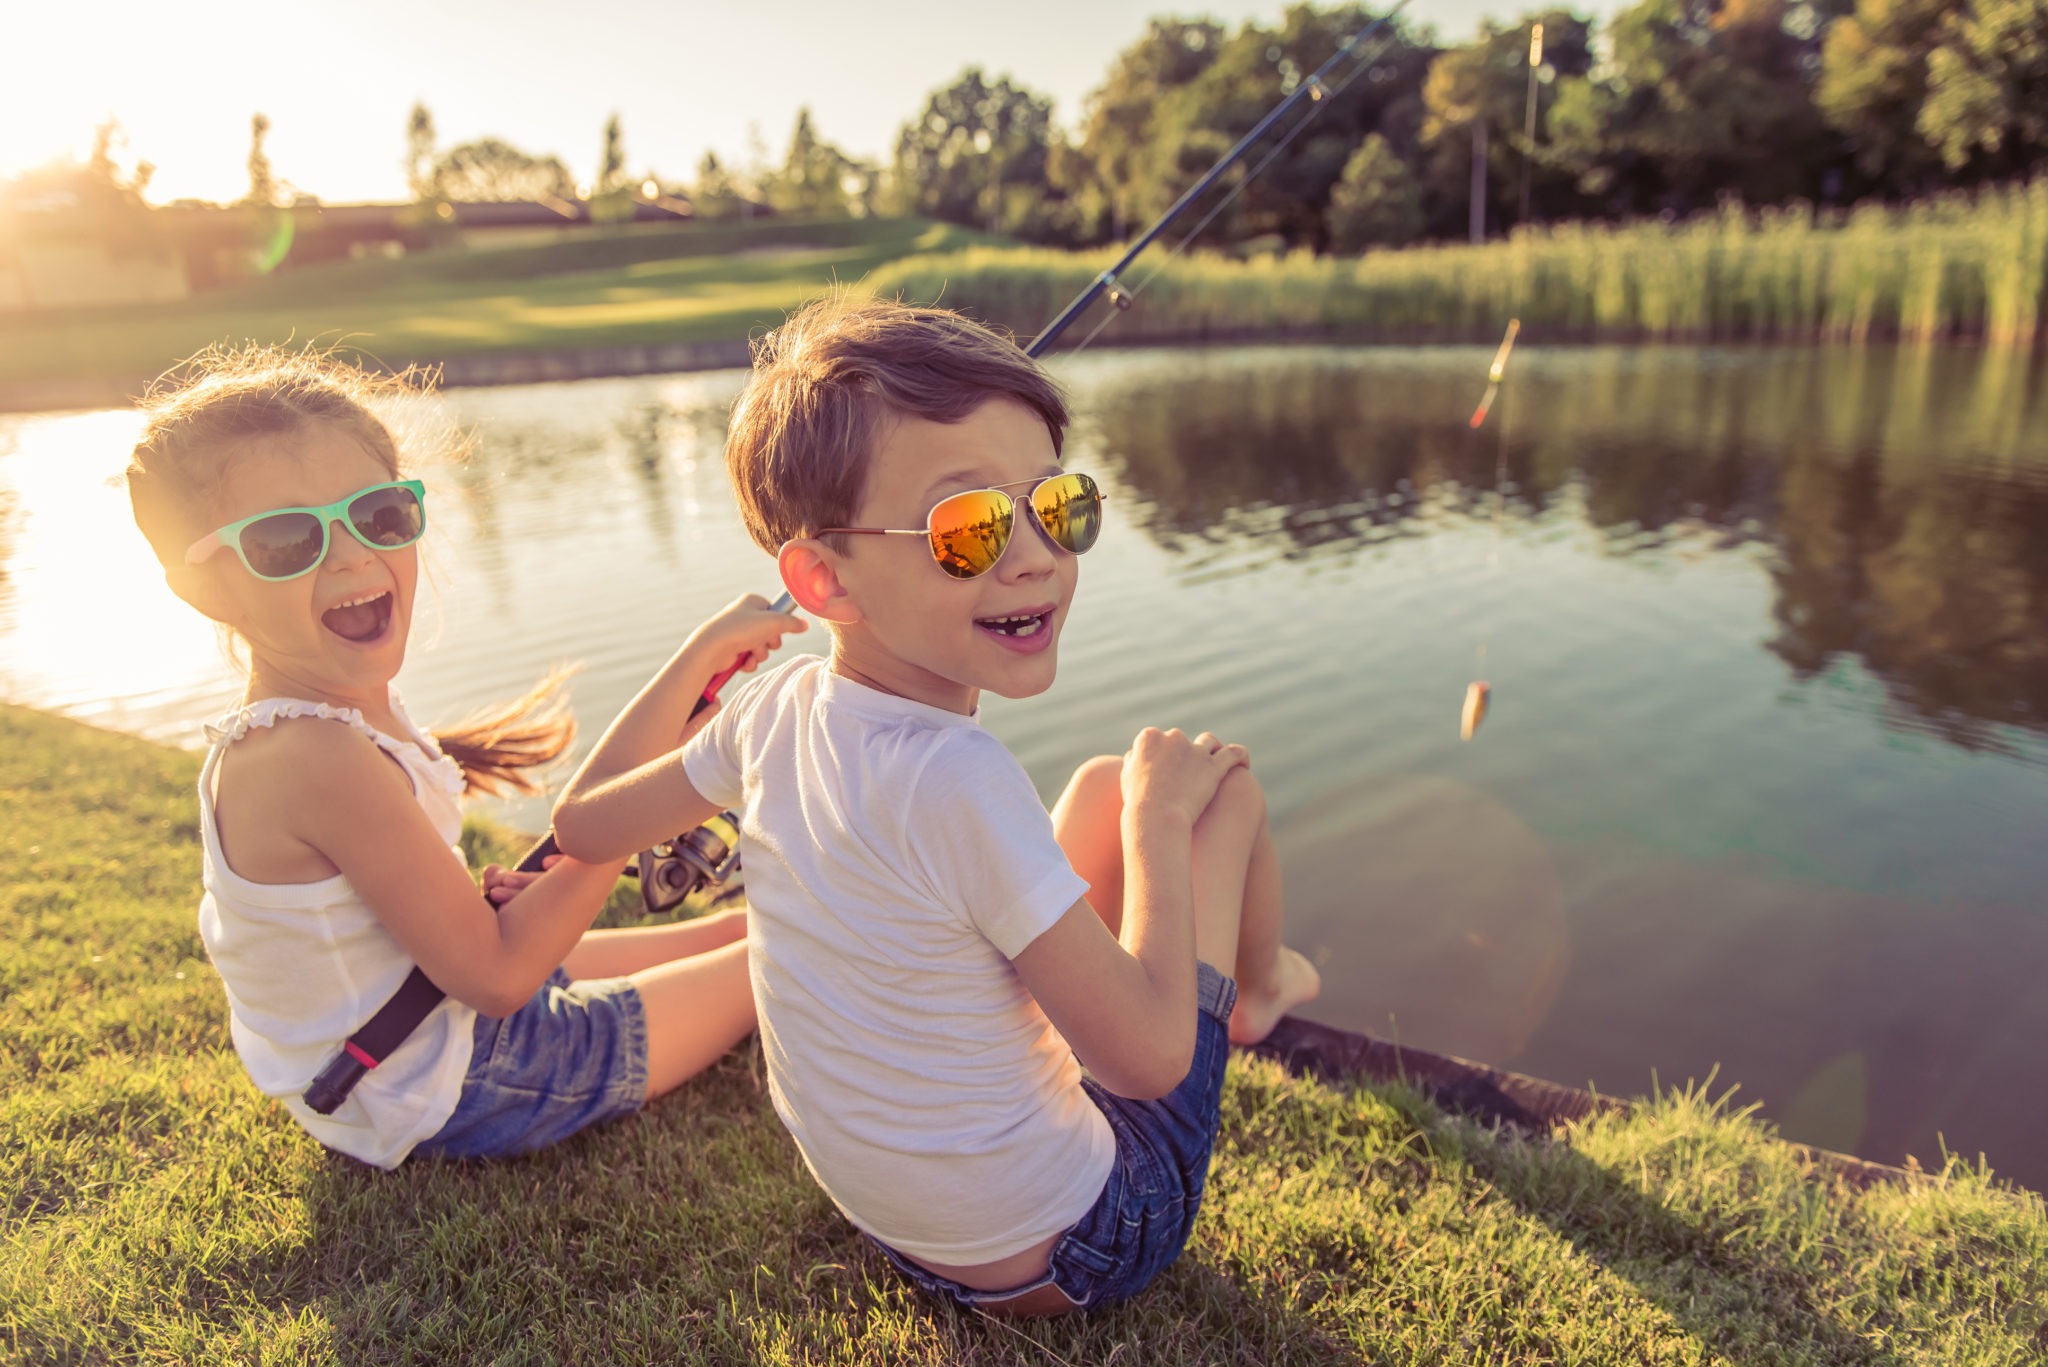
498	746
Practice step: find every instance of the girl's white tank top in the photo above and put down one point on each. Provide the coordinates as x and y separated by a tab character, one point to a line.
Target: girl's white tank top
306	964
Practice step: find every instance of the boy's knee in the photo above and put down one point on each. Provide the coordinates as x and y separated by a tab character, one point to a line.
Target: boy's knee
1240	797
1102	776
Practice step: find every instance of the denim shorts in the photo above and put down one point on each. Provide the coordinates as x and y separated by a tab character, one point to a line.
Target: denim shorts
573	1056
1141	1221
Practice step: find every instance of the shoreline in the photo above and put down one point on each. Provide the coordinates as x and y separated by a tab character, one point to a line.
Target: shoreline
479	370
1480	1091
483	370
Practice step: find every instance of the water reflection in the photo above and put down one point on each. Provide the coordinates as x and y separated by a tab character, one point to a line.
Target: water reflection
1900	494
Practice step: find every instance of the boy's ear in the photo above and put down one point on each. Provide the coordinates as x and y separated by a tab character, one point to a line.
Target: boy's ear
202	590
810	573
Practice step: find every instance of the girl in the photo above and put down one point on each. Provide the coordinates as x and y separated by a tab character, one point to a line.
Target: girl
274	497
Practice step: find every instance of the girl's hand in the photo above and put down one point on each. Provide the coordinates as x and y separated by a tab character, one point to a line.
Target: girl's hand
1167	774
744	633
502	885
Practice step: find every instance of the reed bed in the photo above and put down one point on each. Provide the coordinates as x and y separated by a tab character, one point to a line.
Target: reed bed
1959	266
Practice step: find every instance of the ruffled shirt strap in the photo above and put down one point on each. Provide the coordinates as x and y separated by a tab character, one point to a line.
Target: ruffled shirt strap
418	752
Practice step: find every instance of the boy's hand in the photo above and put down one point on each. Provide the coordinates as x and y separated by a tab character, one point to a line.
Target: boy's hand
745	632
1166	773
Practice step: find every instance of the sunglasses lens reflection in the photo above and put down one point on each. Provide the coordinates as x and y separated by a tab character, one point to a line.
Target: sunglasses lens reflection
970	530
283	546
1069	507
388	517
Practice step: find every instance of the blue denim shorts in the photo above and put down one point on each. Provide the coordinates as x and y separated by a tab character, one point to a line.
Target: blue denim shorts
573	1056
1140	1223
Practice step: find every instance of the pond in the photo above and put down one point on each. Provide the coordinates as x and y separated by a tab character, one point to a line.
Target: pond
1763	792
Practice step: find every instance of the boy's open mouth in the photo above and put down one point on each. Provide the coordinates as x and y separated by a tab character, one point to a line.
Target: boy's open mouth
1019	626
360	619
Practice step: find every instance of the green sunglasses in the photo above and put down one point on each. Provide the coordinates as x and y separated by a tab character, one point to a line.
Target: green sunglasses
285	543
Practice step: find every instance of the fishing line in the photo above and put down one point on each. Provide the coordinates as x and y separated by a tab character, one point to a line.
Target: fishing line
1479	693
1109	282
1320	94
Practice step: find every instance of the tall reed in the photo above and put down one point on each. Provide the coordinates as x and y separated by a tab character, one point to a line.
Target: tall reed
1957	266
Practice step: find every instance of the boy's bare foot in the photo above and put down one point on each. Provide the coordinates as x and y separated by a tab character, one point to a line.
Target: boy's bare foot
1294	981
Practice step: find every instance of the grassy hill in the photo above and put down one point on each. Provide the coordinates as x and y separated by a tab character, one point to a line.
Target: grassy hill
697	282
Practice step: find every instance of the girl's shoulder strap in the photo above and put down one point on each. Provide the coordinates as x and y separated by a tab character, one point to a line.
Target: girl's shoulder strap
417	752
265	712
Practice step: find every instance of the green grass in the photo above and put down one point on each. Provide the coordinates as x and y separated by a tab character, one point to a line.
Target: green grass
1961	266
709	282
1955	267
158	1210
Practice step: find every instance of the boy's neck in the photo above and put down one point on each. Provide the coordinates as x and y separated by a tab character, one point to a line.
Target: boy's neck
901	680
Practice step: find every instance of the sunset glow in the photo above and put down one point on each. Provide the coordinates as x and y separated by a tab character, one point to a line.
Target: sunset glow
337	83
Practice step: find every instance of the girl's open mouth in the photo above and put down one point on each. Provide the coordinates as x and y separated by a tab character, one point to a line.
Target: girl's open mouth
361	620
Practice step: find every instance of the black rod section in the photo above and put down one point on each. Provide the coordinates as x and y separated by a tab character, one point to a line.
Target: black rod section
1306	90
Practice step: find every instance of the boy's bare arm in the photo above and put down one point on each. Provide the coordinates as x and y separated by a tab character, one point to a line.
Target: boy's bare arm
631	791
610	819
1128	1009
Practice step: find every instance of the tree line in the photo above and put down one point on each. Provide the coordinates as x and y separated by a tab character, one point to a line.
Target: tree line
1670	108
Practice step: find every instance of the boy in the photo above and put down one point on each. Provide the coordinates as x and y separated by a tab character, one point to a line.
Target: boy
931	952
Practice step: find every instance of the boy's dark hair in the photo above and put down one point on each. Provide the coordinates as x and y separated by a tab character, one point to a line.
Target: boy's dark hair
827	380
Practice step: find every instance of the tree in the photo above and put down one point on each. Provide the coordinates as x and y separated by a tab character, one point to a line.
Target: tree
611	195
1202	102
419	155
1376	202
1115	177
262	183
1873	81
713	195
1487	81
816	177
1987	88
977	156
490	170
1699	100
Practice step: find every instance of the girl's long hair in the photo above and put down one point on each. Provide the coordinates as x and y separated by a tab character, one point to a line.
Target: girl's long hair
203	410
502	747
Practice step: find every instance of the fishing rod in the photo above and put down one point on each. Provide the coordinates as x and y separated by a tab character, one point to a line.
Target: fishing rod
1315	90
707	856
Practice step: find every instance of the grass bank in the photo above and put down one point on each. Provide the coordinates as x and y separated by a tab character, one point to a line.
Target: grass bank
628	287
157	1210
1953	268
1959	267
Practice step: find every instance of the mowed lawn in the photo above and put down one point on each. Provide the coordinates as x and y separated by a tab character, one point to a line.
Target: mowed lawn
158	1210
699	282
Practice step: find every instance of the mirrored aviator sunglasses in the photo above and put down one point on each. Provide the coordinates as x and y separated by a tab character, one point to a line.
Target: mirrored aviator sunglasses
969	532
285	543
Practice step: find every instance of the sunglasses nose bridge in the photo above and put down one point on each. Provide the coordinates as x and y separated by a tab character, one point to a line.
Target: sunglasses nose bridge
344	546
1032	552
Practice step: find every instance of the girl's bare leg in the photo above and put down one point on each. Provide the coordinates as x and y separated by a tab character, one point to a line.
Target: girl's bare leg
697	1008
616	953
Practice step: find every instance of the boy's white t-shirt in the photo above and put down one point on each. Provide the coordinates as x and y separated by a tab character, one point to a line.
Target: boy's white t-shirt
897	858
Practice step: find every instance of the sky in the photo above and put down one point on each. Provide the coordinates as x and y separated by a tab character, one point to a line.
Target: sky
337	82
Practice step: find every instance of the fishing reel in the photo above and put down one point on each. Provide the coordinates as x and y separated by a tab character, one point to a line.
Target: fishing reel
703	858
